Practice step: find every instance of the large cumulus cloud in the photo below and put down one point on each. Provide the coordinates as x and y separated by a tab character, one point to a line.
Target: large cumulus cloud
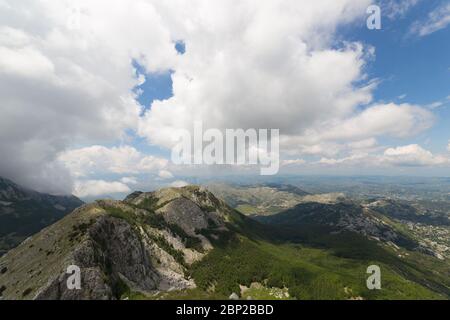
65	84
270	64
277	64
67	78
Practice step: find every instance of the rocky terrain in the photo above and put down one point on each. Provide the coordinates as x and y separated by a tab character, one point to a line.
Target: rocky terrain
428	224
419	225
186	243
342	216
395	223
24	212
143	244
412	211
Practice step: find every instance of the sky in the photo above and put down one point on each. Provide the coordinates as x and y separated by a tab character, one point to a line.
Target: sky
92	93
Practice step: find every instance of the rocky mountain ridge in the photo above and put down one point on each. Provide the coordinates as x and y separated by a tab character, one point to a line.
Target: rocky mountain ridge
141	244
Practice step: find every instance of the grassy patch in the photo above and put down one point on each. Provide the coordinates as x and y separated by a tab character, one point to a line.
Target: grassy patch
122	214
149	203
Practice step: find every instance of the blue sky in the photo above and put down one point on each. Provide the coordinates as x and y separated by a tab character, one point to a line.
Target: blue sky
411	68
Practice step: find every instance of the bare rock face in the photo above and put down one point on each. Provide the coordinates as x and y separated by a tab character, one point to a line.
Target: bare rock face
93	287
143	244
186	214
114	252
123	252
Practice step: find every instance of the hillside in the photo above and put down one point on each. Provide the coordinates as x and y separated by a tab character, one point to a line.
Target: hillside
144	243
341	216
377	221
185	243
263	199
428	222
24	212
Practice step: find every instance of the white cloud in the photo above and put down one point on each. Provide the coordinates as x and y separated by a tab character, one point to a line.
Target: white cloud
164	174
448	147
404	156
293	162
309	84
25	62
119	160
61	86
352	159
384	119
129	180
435	105
397	8
413	155
248	64
95	188
359	131
436	20
306	79
363	144
317	148
179	184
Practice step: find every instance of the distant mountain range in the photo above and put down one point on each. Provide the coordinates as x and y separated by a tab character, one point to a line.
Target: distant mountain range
187	243
420	225
24	212
260	199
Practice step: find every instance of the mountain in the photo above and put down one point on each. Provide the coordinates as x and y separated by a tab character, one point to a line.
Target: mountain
143	243
428	222
260	199
382	220
186	243
24	212
341	216
409	211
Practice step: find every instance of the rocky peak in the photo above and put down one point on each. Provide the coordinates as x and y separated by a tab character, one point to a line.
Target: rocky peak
142	244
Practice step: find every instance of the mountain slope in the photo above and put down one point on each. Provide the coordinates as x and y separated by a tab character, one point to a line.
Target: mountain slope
427	222
24	212
341	216
407	211
381	221
144	243
185	243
